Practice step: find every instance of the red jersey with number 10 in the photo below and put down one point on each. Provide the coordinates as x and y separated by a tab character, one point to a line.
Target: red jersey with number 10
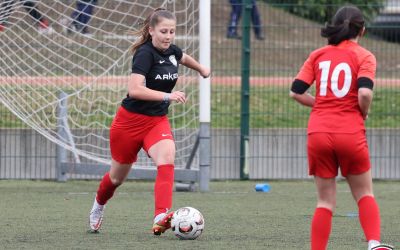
335	69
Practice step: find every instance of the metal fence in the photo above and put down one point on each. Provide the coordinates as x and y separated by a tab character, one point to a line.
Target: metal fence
277	138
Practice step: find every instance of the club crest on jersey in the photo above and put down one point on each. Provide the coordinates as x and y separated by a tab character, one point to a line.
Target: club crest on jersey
173	60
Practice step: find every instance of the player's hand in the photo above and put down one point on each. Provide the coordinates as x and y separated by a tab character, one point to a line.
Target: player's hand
205	72
365	115
178	96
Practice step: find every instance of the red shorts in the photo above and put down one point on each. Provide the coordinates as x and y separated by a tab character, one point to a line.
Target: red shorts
132	131
329	151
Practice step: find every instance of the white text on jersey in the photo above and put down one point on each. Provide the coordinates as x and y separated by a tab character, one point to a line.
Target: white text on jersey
168	76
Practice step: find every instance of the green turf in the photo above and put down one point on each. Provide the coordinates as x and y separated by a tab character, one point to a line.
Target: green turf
49	215
270	107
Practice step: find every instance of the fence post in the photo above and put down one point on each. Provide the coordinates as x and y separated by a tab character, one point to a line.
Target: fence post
245	91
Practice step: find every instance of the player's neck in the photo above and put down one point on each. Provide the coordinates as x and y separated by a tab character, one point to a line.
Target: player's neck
355	40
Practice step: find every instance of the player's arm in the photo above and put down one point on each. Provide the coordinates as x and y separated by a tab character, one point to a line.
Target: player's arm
298	92
137	90
190	62
365	94
365	83
302	82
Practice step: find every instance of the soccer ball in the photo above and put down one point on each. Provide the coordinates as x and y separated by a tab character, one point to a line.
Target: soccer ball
187	223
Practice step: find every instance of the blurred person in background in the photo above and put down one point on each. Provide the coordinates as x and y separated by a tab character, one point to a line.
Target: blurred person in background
8	6
235	18
81	16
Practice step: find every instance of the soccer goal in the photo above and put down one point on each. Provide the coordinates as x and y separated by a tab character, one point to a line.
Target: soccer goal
67	84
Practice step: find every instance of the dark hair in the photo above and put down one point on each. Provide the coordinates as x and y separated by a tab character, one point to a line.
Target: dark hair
151	21
347	23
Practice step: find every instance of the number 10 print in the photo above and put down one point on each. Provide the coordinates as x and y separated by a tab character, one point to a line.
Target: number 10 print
325	67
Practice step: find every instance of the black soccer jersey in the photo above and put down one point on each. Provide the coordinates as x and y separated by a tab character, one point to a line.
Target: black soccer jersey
160	69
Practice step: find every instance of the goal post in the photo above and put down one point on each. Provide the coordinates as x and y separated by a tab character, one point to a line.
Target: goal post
205	95
67	85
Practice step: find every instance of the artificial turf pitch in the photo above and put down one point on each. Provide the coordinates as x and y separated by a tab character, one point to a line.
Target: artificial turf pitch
50	215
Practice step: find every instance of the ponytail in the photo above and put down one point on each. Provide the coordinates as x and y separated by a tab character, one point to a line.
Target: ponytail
347	23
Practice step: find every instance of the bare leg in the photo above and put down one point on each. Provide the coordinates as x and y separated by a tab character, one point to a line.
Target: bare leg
326	188
360	185
163	152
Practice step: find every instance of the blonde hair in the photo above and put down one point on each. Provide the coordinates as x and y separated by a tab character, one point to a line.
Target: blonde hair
151	21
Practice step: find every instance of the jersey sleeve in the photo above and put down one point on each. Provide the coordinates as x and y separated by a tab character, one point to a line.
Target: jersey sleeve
367	67
142	62
178	53
306	73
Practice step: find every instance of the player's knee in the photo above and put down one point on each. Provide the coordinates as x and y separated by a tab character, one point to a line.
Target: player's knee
328	202
165	159
359	196
165	156
328	205
119	172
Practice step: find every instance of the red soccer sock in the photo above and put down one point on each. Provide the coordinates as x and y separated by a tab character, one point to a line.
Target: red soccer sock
321	228
369	218
106	189
163	188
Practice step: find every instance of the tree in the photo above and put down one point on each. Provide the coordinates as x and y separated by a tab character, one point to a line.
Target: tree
323	10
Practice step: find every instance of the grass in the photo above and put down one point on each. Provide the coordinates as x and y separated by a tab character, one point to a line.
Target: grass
49	215
270	107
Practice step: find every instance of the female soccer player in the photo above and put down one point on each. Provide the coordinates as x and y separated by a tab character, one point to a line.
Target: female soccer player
141	121
8	6
344	73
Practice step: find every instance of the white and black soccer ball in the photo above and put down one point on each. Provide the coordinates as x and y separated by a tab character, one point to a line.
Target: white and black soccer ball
187	223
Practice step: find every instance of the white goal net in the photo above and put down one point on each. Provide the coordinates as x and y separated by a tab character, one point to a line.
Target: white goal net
42	66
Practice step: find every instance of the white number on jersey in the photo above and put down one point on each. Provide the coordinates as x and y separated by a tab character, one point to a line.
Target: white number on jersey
325	67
